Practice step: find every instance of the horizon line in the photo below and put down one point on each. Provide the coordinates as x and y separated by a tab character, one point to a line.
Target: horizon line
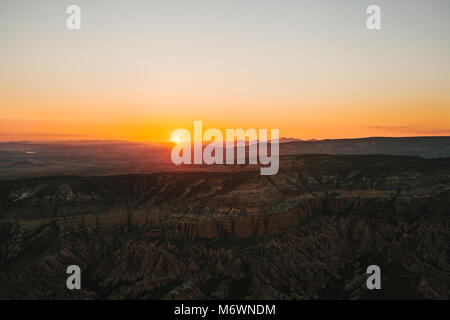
169	142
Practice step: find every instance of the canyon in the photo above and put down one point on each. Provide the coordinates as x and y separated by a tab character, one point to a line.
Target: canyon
308	232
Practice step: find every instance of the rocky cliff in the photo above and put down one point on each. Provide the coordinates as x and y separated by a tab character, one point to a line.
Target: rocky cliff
308	232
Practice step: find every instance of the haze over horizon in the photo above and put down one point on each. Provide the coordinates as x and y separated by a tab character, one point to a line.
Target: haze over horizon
140	70
281	140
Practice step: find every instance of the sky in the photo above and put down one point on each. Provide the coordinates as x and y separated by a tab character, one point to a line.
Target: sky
137	70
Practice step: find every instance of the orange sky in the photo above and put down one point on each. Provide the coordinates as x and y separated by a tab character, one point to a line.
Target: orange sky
138	73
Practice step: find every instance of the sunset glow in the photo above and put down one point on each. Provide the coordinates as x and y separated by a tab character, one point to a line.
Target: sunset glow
176	140
137	73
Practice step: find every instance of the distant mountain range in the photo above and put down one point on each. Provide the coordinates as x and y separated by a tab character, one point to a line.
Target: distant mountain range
427	147
34	159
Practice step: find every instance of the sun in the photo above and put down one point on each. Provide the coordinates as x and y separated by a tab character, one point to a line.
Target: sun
176	139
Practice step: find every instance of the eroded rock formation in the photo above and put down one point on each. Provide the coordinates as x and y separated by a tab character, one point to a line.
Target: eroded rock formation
307	233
